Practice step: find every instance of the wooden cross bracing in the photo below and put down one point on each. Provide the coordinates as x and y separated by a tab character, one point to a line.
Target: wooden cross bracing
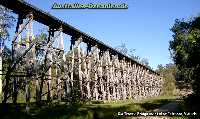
97	72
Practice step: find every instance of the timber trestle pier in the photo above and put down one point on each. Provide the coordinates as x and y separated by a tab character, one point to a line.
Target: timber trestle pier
98	72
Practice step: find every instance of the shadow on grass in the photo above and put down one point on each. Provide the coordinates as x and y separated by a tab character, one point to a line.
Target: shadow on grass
151	105
80	111
10	111
54	111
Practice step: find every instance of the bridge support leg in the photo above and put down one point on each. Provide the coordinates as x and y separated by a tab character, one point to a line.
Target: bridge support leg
49	95
80	74
72	68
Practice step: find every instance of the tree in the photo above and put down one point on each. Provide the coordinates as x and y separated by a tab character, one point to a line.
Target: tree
131	53
168	72
122	48
5	23
133	56
144	61
160	68
185	51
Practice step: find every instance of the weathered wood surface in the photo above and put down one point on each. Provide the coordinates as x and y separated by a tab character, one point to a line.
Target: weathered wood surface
92	73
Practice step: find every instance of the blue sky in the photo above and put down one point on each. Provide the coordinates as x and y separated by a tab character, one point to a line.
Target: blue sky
144	26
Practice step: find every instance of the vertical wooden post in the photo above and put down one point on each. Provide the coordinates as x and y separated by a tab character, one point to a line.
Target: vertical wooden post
137	82
18	28
96	72
30	61
129	80
88	79
61	48
49	79
89	71
72	66
95	60
124	79
49	95
118	78
108	74
113	78
84	74
133	81
1	68
79	69
58	73
100	72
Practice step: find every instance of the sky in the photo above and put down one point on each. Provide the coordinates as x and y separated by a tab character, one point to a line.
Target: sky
144	26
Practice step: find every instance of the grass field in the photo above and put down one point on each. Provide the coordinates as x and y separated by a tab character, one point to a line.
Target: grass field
94	110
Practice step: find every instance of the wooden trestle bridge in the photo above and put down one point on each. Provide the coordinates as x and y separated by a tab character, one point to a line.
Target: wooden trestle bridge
48	72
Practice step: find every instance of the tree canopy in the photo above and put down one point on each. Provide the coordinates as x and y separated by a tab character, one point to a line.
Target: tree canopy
131	53
6	21
185	51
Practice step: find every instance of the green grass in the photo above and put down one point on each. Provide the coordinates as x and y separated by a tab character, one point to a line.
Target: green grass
95	110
